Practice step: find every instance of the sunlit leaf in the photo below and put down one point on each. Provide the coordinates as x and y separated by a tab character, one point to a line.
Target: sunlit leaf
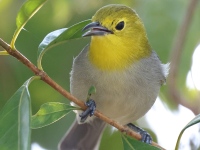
28	9
59	36
132	144
50	113
191	123
15	120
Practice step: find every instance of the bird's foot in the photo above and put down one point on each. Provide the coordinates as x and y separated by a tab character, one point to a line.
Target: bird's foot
146	137
89	111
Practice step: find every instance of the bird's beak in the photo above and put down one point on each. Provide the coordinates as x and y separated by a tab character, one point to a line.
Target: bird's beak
95	29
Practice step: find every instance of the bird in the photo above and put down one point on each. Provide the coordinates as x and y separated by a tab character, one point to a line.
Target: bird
126	72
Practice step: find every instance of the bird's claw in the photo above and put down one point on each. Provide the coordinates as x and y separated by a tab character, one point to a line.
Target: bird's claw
146	137
89	111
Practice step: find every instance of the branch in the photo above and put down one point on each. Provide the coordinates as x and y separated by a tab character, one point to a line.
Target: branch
53	84
175	59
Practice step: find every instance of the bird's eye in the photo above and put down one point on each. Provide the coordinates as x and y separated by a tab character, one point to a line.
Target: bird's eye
120	25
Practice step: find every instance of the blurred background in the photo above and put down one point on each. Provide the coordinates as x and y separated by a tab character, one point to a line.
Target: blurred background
162	20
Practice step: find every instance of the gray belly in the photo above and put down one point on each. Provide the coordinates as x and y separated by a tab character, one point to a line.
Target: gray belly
124	95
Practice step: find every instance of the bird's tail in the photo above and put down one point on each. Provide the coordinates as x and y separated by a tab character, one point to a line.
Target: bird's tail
83	136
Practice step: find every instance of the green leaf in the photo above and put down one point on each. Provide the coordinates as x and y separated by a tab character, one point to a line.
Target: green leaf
15	120
60	36
132	144
92	90
50	113
28	9
191	123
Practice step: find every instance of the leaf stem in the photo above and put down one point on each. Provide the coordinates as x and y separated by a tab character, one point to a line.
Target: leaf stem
178	141
4	53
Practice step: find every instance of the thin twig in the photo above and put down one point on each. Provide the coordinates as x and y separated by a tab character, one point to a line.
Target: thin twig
40	73
48	80
176	57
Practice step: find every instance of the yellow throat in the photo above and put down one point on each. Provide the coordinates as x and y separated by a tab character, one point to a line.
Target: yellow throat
121	49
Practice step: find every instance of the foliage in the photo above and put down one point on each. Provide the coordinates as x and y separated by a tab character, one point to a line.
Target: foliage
15	120
132	144
50	113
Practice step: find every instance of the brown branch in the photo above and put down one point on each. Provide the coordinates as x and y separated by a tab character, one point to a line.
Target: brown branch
66	94
176	57
41	73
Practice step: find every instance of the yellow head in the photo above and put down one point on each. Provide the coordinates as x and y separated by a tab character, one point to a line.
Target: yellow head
118	38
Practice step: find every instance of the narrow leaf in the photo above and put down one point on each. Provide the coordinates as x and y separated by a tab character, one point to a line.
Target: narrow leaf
59	36
28	9
15	120
50	113
132	144
191	123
